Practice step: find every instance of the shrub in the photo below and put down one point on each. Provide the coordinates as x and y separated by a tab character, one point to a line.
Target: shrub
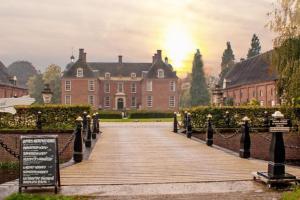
109	114
150	114
53	116
256	114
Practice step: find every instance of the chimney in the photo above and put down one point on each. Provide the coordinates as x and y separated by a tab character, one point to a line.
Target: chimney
81	52
84	57
158	56
120	59
166	60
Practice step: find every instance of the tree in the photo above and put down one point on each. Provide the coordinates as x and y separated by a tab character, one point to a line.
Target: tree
255	47
285	21
198	91
23	70
227	62
35	86
52	77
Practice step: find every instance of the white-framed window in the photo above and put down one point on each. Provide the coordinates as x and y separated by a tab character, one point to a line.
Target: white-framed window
91	85
133	87
79	72
260	93
107	101
107	75
149	85
172	101
120	87
68	99
133	101
133	75
91	99
106	87
149	101
160	73
173	86
67	85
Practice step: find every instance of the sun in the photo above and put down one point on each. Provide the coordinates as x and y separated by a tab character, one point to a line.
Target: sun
178	44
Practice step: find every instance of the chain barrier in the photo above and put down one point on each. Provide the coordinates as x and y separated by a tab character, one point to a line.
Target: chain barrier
70	140
9	150
237	131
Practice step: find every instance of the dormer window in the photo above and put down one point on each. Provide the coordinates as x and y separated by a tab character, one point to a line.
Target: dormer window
107	75
160	73
133	75
79	72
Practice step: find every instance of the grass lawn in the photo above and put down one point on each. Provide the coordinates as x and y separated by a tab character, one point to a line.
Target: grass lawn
24	196
138	120
294	195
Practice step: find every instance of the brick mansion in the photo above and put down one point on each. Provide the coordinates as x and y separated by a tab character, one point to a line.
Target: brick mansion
121	85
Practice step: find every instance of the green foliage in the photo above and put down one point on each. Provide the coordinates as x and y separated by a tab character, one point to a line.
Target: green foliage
227	62
198	91
53	116
286	60
255	47
149	114
52	77
256	114
228	101
185	99
35	87
110	114
9	165
285	20
253	102
294	195
24	196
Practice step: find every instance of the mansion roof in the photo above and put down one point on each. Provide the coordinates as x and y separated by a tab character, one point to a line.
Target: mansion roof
257	69
118	69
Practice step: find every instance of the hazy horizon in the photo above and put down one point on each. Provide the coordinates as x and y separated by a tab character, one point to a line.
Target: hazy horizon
45	32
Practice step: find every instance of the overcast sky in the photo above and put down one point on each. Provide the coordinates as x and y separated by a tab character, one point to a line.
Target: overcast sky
45	31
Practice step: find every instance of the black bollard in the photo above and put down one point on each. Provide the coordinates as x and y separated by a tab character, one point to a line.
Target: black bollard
78	154
39	120
189	126
266	119
245	141
175	126
94	134
227	119
98	122
84	123
88	141
210	131
185	121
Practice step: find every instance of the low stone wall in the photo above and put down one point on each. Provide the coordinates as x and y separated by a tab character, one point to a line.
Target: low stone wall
12	140
259	144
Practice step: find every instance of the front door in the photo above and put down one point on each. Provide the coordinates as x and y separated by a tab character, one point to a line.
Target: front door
120	103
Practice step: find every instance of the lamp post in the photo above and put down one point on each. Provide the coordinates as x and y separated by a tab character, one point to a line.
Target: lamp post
47	94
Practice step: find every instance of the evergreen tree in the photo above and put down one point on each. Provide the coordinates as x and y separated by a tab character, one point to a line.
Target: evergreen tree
227	62
255	47
35	87
198	91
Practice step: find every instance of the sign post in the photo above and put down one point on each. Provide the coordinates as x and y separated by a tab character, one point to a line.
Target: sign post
276	167
39	162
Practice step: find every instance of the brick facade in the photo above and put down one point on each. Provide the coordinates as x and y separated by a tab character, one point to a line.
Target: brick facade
119	86
8	91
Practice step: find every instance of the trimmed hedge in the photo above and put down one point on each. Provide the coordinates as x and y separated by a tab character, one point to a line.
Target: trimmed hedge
53	116
110	114
150	114
256	114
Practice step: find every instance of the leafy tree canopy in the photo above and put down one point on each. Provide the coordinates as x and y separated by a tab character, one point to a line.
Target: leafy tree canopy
255	47
23	70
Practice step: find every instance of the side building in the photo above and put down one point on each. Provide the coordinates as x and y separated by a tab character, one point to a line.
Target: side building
121	85
250	79
9	86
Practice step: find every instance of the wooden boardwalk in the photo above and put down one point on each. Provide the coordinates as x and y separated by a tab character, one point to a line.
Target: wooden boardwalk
141	154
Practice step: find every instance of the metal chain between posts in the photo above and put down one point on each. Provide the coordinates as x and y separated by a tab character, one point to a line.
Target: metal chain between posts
71	138
237	131
9	150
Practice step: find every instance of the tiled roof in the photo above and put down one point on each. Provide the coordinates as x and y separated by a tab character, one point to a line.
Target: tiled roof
159	64
253	70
